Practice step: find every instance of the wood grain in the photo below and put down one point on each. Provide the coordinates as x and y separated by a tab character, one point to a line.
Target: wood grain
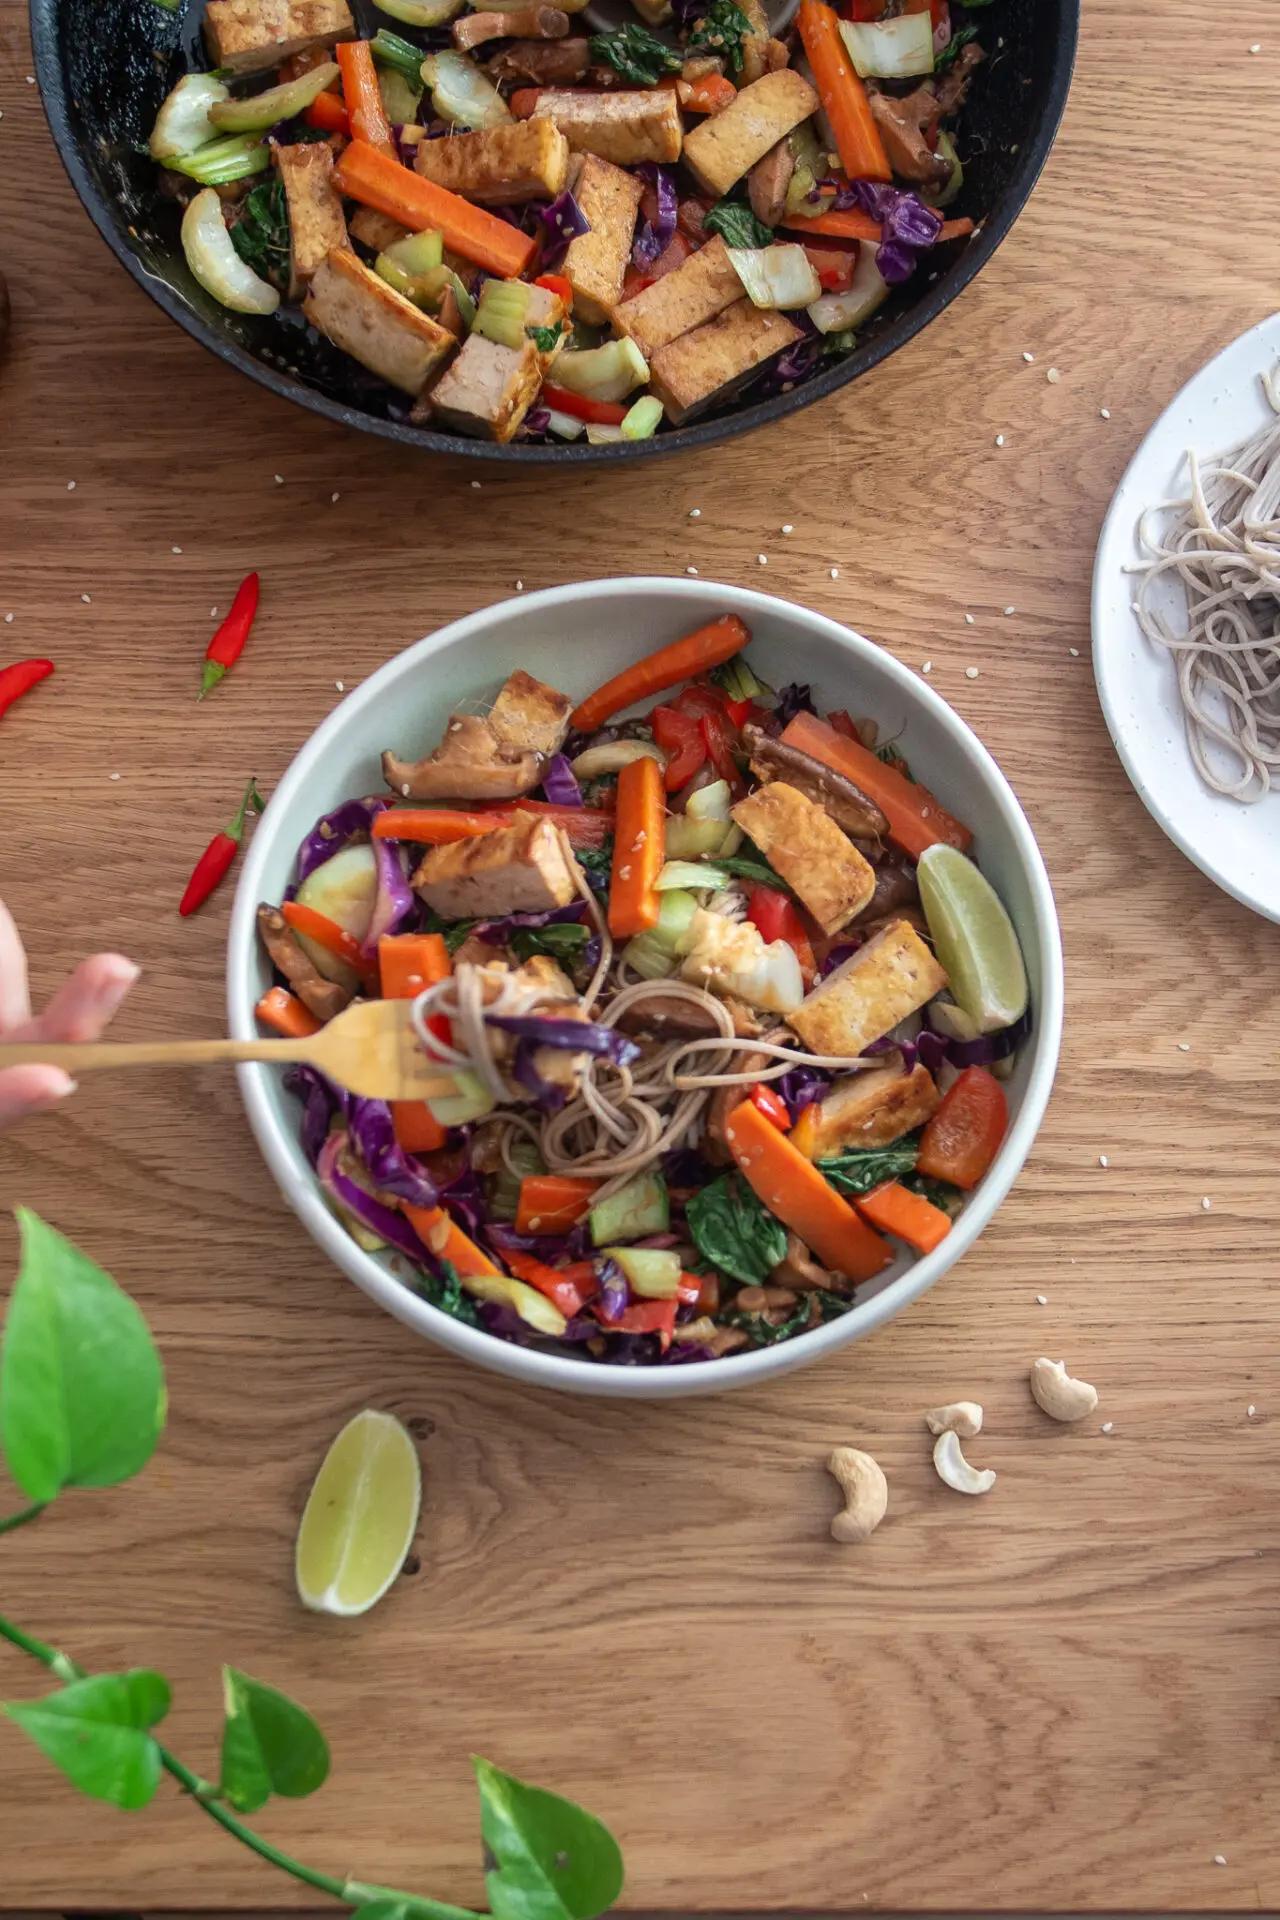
1061	1697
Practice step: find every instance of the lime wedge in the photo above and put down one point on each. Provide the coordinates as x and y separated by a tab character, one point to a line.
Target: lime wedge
974	938
360	1516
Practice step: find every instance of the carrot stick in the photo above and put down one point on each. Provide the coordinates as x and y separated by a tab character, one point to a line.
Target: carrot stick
280	1010
895	1209
441	1233
796	1193
524	102
334	939
363	97
440	826
696	653
916	820
408	962
853	224
364	173
843	96
552	1202
638	844
327	112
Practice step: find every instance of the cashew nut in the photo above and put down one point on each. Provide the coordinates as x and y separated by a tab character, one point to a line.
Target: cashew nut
961	1416
955	1470
1057	1394
866	1494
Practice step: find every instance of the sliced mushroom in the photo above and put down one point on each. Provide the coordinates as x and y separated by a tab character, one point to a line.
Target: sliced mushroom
802	1274
768	181
521	23
542	63
672	1018
895	888
846	803
906	126
469	764
322	997
954	84
722	1103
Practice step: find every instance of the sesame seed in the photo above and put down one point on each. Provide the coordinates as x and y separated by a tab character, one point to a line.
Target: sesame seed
1042	1299
1219	1859
30	79
340	686
1108	1426
1103	1160
1053	376
113	776
519	586
334	499
762	559
835	573
1074	652
693	571
1206	1204
1184	1046
8	619
695	513
624	873
405	789
1029	358
1251	1409
1256	47
999	439
969	620
1104	413
88	602
213	613
971	673
278	478
175	549
71	486
926	666
1009	610
788	528
476	485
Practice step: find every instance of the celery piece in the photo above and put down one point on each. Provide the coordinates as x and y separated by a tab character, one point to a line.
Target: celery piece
431	287
710	802
504	1187
610	372
462	92
417	252
471	1101
633	1212
776	277
599	435
563	425
643	419
401	98
220	161
262	110
653	954
686	874
183	124
502	312
652	1272
689	839
389	50
738	681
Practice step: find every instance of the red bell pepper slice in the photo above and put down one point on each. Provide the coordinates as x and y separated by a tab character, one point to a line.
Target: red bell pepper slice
599	413
964	1135
679	735
777	919
721	737
772	1106
648	1316
568	1288
834	267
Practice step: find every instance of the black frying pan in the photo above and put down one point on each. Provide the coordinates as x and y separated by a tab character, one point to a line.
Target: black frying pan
105	65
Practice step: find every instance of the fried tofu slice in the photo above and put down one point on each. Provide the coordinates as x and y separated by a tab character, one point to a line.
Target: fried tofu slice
891	977
726	145
470	763
248	36
867	1110
527	160
691	296
528	716
488	390
595	264
356	309
708	365
373	229
519	869
802	841
626	128
316	222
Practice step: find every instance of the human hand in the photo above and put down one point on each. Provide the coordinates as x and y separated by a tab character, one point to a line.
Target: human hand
79	1010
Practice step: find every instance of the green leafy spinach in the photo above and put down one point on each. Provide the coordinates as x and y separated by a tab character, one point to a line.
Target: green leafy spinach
737	226
748	867
635	53
261	234
960	38
735	1231
721	30
861	1168
563	941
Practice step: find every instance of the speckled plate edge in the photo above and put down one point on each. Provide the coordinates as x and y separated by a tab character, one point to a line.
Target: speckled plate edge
1235	846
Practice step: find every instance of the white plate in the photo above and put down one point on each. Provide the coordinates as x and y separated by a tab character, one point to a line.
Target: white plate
1233	843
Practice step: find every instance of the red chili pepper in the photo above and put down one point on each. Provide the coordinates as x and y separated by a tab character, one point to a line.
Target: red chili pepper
211	867
773	1107
227	643
20	678
600	413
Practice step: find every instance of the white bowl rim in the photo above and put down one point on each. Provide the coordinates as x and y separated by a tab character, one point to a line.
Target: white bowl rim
526	1364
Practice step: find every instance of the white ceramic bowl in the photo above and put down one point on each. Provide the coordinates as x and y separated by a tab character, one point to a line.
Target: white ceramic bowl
577	637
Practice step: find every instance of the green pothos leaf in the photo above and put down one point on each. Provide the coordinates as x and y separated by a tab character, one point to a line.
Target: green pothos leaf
269	1745
552	1860
96	1731
82	1399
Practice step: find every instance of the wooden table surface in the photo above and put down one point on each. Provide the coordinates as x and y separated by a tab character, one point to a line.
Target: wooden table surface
1062	1696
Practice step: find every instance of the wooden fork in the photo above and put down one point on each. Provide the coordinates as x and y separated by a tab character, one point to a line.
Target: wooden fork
371	1050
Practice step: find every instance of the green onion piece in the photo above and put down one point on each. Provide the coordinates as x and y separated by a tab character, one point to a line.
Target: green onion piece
389	50
219	162
643	419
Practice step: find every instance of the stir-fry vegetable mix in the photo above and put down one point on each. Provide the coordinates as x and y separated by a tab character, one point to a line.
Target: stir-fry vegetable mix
685	970
526	229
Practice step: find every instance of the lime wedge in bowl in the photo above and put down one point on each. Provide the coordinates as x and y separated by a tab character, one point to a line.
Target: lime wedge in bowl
360	1516
974	939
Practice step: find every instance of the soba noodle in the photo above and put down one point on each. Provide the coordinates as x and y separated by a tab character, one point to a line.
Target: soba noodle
1223	546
